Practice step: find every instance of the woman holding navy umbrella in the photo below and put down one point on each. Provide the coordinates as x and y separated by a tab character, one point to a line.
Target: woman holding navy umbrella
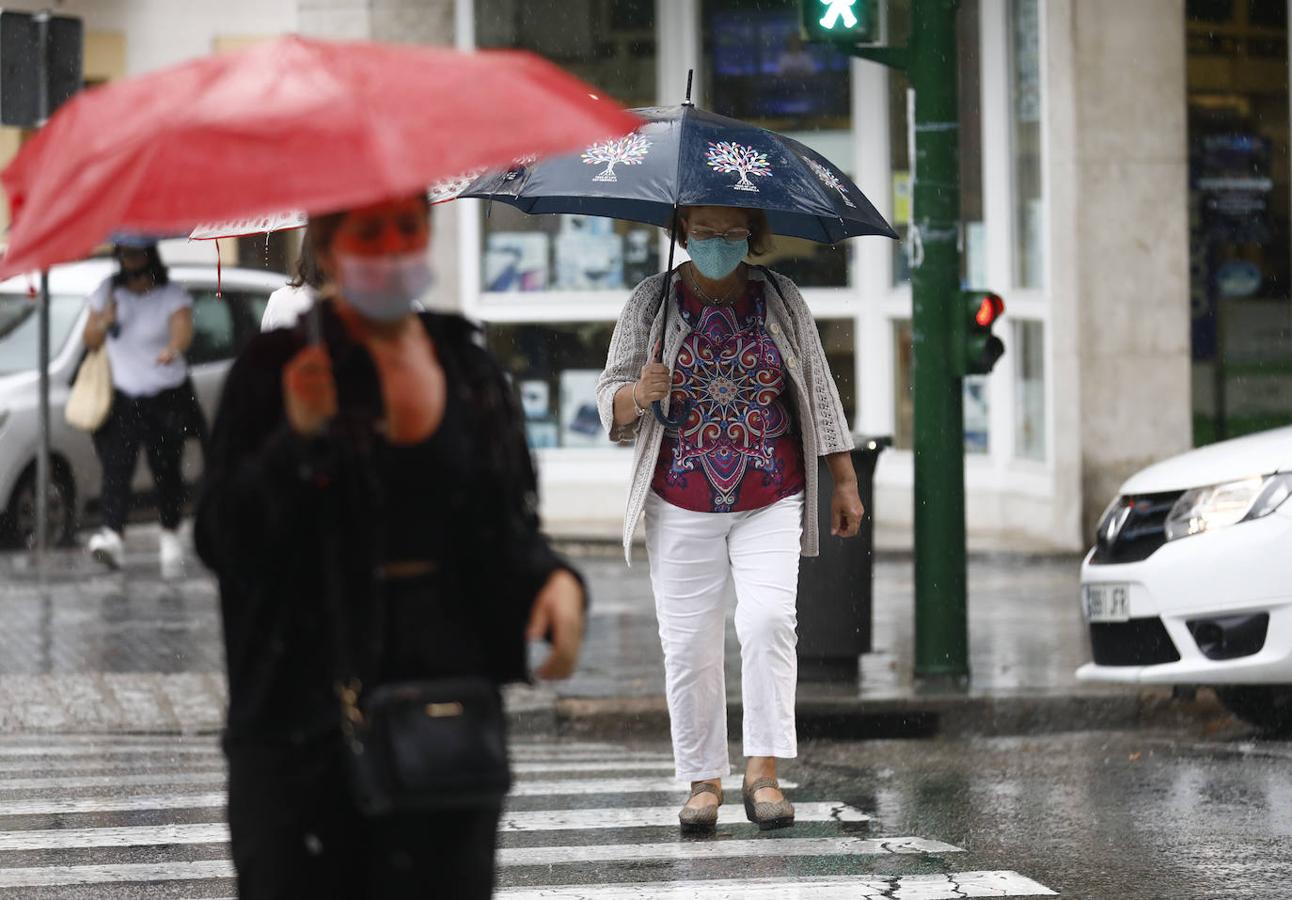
729	494
727	478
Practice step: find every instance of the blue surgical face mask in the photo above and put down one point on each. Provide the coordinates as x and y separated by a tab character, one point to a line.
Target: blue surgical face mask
383	288
716	258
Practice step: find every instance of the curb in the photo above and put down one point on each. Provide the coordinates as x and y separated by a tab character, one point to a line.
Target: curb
947	715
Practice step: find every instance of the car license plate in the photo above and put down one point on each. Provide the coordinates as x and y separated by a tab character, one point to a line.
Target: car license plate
1106	602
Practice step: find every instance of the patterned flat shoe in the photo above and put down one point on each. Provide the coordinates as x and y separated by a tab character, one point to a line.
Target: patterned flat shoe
764	814
704	819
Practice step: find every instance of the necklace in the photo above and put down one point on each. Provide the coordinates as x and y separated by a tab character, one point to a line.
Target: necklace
705	298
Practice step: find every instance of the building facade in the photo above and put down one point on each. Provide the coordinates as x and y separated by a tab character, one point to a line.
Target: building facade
1125	187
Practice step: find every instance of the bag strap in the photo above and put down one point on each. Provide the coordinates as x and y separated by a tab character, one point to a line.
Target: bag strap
346	670
770	277
346	681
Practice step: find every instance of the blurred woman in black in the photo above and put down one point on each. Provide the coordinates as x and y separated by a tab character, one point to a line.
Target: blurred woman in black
397	443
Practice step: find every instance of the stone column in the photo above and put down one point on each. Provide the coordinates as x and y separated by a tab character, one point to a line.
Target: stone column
1119	248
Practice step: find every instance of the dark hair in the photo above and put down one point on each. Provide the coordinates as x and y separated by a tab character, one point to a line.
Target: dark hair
308	272
319	233
760	234
156	268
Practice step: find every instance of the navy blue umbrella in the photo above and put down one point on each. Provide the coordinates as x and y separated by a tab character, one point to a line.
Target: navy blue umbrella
685	156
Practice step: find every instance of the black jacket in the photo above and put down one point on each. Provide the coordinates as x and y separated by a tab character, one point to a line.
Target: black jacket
280	518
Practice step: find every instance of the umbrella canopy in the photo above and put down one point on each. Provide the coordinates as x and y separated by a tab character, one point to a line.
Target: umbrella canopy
294	124
685	156
212	231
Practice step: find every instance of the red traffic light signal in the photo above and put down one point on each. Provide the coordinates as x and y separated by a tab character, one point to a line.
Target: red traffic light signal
990	308
978	348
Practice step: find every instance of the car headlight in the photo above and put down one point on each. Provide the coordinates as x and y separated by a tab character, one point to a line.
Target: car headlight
1219	505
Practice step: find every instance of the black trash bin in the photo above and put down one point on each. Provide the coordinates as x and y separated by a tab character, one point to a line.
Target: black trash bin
834	603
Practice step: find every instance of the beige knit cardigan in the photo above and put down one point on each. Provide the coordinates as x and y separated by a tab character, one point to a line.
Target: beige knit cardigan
819	414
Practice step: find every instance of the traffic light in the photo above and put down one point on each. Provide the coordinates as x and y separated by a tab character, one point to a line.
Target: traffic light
979	348
32	47
848	21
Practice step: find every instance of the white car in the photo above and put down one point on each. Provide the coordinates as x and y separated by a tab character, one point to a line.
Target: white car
1190	579
221	325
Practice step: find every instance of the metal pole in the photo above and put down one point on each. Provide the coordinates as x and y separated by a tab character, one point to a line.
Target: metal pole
941	620
42	457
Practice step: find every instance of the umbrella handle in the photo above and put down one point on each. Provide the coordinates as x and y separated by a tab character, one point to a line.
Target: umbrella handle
663	418
687	405
314	324
684	407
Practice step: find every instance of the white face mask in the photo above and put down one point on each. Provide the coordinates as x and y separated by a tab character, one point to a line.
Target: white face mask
383	288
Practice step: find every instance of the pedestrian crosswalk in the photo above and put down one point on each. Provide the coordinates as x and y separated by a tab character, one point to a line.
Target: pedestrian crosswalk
144	816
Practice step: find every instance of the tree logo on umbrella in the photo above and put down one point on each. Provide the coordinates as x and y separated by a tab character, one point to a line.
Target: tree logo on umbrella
829	179
729	158
630	150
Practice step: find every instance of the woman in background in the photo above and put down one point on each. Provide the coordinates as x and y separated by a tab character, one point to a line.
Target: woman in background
146	321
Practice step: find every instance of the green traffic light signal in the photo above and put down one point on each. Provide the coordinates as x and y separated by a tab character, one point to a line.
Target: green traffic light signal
979	348
853	21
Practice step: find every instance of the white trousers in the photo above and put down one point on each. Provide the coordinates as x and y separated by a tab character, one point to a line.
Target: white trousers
693	555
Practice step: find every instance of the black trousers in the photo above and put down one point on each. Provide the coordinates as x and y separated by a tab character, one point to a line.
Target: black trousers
297	834
161	424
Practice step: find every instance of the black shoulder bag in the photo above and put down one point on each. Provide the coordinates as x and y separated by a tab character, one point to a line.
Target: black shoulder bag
412	746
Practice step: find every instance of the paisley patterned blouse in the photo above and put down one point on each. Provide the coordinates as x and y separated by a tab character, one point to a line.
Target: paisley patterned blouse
738	450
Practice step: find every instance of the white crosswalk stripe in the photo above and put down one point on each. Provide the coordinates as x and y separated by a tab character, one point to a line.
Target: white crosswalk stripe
553	768
908	887
576	787
112	815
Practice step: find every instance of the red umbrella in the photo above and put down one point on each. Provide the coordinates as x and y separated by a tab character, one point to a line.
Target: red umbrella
288	124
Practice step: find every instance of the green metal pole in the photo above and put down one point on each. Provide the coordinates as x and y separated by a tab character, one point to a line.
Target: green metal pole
941	619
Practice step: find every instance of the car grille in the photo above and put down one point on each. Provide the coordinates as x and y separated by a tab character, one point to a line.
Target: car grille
1136	642
1142	534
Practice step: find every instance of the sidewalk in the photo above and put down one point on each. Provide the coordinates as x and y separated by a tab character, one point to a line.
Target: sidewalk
98	651
1027	638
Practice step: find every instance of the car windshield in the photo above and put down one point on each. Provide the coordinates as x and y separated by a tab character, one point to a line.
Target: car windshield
19	338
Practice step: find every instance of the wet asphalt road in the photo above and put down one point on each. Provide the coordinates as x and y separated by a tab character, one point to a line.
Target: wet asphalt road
1117	816
1111	815
1122	816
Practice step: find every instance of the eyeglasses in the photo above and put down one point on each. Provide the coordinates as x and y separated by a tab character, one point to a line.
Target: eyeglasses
731	235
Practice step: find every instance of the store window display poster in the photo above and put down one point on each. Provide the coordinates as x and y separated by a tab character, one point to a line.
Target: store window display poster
541	429
589	254
580	422
516	261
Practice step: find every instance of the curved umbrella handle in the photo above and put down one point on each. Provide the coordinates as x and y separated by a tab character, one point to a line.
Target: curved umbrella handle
663	417
657	353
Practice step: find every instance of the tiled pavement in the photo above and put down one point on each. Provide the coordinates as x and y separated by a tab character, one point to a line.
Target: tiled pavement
89	650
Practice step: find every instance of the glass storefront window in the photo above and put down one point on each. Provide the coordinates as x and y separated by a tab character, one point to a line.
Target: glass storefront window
564	253
1240	223
611	44
839	338
969	79
759	69
1025	118
1029	390
554	367
977	398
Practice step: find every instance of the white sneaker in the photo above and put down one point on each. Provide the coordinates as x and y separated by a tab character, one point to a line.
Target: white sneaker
172	555
106	547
